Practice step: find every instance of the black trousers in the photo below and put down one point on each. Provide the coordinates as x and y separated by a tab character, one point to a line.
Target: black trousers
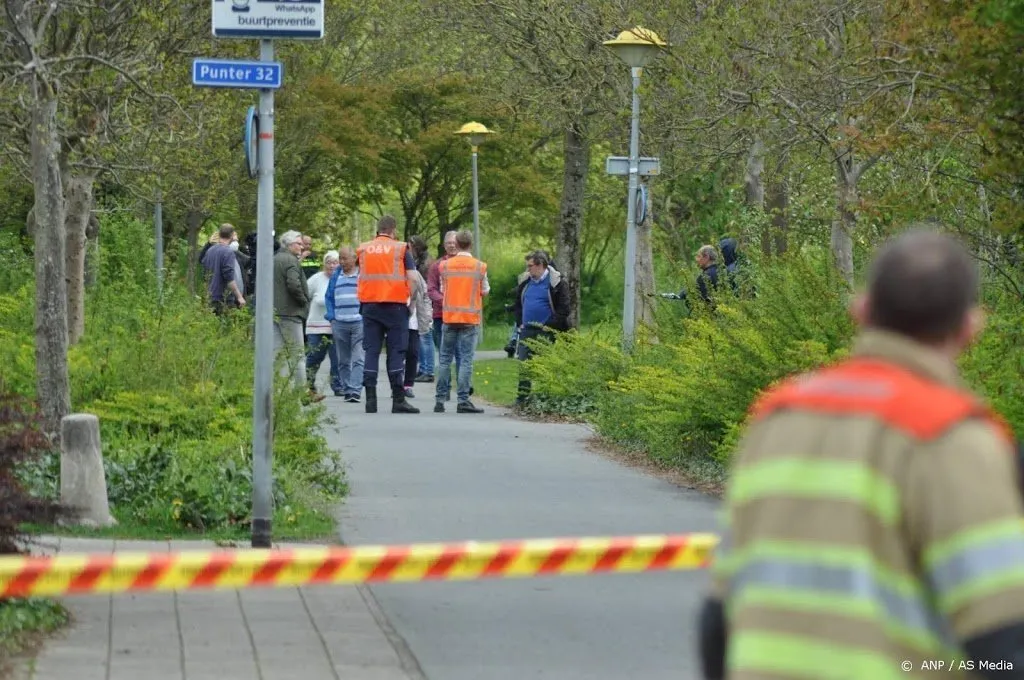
524	353
385	323
412	357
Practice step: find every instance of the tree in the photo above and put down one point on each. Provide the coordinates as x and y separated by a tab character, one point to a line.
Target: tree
399	137
548	58
75	61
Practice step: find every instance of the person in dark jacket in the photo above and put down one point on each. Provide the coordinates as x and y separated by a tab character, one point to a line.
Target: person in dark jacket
731	261
707	280
541	307
219	261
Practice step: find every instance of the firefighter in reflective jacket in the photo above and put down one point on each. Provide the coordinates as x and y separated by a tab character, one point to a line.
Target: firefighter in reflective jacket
463	287
386	274
873	525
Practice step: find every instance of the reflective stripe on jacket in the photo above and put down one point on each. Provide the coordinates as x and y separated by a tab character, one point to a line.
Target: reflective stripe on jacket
382	271
462	280
841	558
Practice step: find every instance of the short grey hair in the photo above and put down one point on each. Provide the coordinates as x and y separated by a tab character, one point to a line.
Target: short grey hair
290	237
709	252
540	257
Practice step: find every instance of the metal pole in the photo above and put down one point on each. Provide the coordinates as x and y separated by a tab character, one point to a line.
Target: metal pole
476	209
476	230
158	229
629	295
262	396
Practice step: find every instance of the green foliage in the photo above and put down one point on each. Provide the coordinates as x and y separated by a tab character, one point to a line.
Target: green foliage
572	376
20	618
682	400
995	365
172	386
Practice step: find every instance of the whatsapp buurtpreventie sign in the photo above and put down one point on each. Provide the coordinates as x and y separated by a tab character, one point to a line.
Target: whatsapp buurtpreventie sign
266	19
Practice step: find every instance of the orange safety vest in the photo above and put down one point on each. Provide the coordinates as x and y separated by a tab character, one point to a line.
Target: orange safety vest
382	271
463	279
913	404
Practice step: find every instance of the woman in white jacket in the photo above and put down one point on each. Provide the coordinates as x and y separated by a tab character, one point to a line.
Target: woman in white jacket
419	324
319	337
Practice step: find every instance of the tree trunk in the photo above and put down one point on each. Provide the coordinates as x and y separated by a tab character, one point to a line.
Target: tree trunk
752	183
193	223
576	154
53	389
78	203
92	252
845	222
778	207
644	267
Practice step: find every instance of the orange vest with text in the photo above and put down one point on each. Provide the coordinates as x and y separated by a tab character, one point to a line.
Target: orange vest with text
462	278
907	402
382	271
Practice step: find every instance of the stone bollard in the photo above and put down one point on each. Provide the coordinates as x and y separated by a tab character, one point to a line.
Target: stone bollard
83	485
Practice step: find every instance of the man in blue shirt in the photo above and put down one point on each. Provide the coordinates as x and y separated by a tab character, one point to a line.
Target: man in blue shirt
219	260
346	324
541	307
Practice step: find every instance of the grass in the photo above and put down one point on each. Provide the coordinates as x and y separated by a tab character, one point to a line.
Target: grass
496	379
316	526
495	335
23	620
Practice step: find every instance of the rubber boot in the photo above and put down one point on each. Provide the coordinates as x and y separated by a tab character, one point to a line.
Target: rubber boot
398	402
371	399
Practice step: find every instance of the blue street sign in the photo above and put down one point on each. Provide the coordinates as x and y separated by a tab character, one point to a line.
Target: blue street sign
226	73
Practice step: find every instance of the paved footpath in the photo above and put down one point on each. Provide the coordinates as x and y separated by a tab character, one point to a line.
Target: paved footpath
316	632
453	477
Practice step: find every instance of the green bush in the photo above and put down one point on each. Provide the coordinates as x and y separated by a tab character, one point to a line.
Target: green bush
571	376
682	399
172	386
995	365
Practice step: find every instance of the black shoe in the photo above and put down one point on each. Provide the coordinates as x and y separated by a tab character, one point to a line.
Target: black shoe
352	398
424	378
402	406
467	407
371	399
339	393
439	407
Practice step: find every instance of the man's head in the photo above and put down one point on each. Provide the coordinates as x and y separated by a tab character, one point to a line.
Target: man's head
923	285
450	246
307	242
292	242
347	258
706	256
464	240
387	226
537	262
226	233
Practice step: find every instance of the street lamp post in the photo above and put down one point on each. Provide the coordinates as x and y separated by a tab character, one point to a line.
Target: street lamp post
475	133
635	46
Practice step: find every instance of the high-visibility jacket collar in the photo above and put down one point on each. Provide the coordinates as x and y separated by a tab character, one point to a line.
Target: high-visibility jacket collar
914	356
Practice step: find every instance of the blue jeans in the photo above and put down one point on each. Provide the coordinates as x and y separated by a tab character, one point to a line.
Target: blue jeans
317	347
348	345
426	354
436	331
456	340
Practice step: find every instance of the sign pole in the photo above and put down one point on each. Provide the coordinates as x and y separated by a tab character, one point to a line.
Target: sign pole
262	397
